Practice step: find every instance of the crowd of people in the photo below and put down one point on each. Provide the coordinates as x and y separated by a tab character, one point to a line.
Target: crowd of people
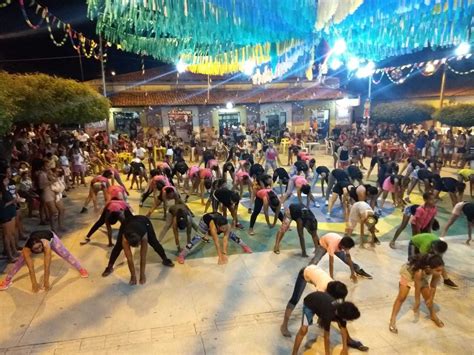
47	163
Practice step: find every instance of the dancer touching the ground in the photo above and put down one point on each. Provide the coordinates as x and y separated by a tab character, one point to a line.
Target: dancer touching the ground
242	178
416	273
99	183
467	208
281	175
408	213
157	182
136	231
429	243
336	176
138	171
362	213
179	217
213	224
453	187
340	190
266	198
365	192
114	211
321	172
301	185
167	193
322	282
335	245
228	167
229	200
328	310
305	219
41	242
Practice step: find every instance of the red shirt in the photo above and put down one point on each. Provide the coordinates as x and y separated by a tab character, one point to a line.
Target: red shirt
423	216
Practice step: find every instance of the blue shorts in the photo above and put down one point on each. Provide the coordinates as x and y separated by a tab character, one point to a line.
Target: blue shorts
308	316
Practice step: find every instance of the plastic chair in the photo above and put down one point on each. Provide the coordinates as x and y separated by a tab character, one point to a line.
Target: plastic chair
284	144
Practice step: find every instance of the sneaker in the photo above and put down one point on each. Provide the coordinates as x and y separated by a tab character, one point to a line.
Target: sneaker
317	205
239	226
450	283
407	199
247	249
84	273
85	241
108	270
84	210
168	263
5	284
363	274
205	240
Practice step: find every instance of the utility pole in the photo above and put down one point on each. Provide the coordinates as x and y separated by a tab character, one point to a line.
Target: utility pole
367	104
104	88
441	91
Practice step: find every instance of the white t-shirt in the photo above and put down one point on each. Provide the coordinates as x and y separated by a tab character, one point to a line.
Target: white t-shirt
359	211
140	152
317	276
78	159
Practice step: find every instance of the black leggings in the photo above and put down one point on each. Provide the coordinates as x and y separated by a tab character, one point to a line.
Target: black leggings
300	285
100	222
145	195
257	208
152	241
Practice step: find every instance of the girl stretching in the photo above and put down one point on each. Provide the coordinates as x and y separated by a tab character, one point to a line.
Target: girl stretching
301	185
416	273
99	183
41	242
265	198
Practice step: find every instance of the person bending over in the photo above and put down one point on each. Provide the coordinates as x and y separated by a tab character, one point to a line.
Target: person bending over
328	310
301	185
136	231
114	211
416	274
179	217
335	245
429	243
99	183
213	224
305	219
361	213
466	208
41	242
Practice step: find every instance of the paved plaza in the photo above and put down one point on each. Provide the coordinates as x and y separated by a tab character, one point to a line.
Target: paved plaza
203	308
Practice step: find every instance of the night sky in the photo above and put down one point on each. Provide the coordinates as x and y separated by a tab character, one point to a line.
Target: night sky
23	50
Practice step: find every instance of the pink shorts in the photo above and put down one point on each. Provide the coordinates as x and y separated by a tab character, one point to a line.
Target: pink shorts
78	169
388	186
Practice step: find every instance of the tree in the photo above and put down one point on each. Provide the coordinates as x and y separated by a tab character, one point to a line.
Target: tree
401	113
40	98
461	115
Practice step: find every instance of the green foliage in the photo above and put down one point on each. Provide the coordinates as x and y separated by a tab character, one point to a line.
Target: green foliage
457	115
401	113
37	98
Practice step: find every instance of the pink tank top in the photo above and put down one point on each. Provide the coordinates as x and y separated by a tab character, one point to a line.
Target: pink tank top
115	191
193	171
300	181
271	154
212	163
240	175
116	206
263	193
205	173
99	178
158	178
